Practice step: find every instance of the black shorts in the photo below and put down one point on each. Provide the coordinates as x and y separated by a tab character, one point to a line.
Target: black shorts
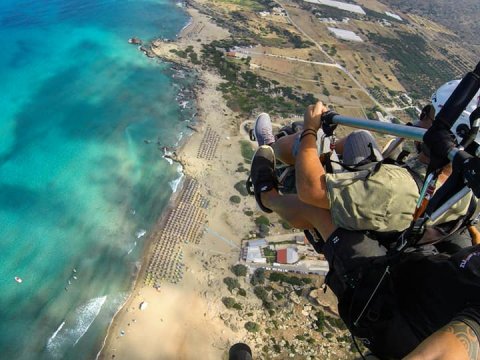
421	292
349	250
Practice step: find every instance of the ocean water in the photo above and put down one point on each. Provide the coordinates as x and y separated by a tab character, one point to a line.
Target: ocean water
83	118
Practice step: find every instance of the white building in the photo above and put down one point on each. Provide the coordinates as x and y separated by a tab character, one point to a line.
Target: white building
392	15
257	242
254	255
345	34
339	5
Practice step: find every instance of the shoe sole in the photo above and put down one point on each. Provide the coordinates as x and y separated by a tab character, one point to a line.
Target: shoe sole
257	193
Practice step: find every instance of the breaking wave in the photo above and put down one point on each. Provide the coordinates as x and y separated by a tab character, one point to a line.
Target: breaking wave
175	183
70	332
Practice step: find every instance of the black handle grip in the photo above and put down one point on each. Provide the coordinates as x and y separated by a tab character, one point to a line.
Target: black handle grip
327	117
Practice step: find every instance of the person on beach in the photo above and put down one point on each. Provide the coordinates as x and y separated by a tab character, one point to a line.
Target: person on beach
418	305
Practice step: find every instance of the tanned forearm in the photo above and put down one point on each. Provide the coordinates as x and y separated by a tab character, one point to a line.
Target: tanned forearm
310	174
455	340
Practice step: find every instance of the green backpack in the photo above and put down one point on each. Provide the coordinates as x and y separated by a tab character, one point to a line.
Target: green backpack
376	196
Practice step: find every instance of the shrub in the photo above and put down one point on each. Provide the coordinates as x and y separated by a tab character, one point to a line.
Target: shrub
235	199
320	322
228	302
336	322
242	292
231	283
239	270
261	293
247	150
248	212
252	326
241	187
268	305
292	280
263	230
278	296
285	225
237	306
262	220
258	277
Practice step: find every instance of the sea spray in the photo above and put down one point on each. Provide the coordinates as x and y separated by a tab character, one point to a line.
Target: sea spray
74	328
175	183
50	343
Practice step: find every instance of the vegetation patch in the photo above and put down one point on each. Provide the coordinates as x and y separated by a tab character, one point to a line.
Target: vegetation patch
246	150
262	220
246	92
241	187
232	283
258	277
248	212
252	326
230	303
416	68
239	270
292	280
235	199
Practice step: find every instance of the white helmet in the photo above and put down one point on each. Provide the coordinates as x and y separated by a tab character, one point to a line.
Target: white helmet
440	97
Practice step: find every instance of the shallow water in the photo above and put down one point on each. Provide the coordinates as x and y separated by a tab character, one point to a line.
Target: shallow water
84	115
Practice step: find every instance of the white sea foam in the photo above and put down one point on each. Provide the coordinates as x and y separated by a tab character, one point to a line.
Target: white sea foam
190	22
179	138
140	233
50	341
70	335
88	312
174	183
133	247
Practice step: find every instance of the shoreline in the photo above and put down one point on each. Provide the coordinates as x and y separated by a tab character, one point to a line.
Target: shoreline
161	221
180	156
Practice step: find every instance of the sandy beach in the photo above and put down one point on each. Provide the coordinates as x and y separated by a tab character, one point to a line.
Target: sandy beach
181	321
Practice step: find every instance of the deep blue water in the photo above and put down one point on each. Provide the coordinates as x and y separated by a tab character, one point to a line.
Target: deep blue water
79	183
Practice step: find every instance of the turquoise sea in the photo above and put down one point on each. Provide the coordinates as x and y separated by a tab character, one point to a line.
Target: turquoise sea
83	118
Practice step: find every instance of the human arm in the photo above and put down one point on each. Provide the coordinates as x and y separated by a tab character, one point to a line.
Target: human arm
310	174
474	234
456	340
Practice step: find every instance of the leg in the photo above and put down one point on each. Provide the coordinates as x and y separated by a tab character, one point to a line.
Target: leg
283	148
286	148
297	213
